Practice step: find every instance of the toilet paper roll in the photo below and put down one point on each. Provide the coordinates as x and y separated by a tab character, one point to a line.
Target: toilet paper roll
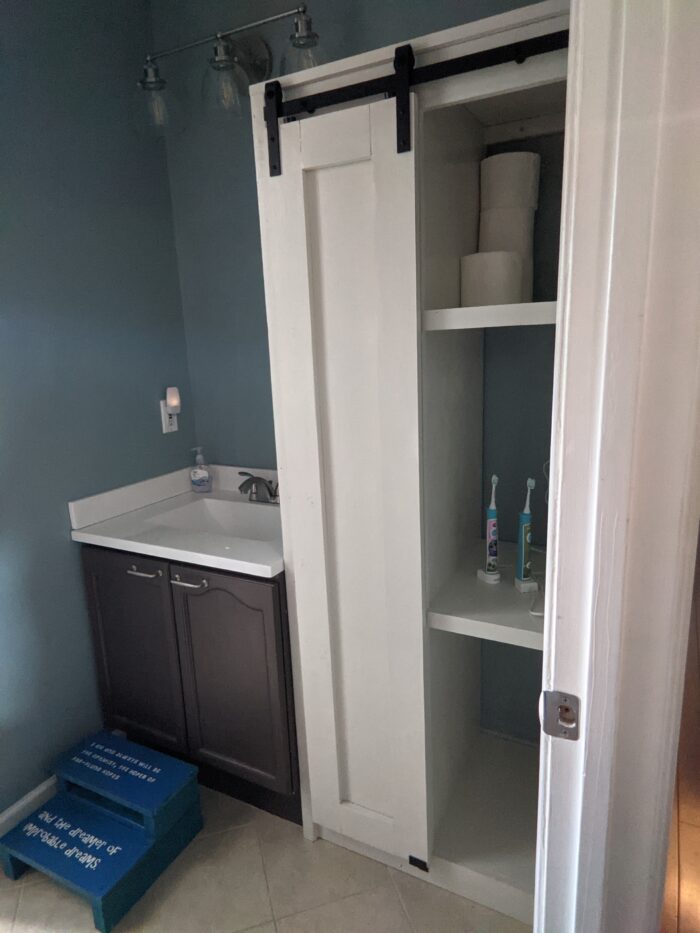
511	179
491	278
510	229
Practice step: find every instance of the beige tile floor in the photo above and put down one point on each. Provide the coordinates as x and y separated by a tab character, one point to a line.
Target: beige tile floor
249	871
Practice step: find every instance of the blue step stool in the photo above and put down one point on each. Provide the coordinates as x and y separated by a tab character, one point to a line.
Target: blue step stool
121	815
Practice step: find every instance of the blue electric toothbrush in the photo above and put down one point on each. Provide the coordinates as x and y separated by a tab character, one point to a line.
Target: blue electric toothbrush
523	570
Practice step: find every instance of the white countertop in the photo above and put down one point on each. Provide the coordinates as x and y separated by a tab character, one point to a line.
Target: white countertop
219	529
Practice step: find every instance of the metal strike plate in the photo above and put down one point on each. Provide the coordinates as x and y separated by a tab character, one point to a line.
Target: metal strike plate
560	714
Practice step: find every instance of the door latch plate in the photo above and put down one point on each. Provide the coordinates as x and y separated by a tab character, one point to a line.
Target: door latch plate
560	714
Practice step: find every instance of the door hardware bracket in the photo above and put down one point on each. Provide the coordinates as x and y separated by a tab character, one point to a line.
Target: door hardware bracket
418	863
404	61
272	112
398	85
560	714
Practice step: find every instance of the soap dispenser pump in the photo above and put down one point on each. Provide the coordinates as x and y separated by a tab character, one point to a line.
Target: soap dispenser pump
200	474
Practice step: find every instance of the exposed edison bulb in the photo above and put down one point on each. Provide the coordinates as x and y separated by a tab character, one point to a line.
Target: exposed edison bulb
224	84
303	51
156	110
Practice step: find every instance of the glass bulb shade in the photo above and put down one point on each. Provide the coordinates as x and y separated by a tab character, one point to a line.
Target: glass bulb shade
156	111
224	88
299	57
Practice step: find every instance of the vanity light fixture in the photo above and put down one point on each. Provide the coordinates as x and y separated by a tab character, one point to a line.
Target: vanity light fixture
303	52
233	66
224	82
158	111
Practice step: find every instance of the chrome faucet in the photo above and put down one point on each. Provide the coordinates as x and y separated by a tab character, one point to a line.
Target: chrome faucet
258	488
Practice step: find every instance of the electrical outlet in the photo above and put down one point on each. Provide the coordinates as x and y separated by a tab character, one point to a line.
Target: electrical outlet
168	421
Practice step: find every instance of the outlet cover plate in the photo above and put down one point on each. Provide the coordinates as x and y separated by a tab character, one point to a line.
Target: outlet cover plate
168	421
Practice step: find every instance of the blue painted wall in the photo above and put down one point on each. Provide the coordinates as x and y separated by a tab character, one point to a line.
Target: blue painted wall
212	181
91	316
90	334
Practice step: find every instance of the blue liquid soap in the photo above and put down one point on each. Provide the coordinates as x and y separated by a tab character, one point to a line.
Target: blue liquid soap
200	474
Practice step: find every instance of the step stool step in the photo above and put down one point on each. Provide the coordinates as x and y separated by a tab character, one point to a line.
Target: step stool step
91	853
135	784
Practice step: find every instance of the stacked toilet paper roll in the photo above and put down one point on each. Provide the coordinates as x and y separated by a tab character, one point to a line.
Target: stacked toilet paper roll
509	193
510	228
493	278
510	179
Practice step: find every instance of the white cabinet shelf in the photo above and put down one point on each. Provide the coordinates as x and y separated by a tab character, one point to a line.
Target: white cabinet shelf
517	315
488	831
496	612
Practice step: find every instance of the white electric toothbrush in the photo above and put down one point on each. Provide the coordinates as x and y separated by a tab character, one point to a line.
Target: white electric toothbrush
491	574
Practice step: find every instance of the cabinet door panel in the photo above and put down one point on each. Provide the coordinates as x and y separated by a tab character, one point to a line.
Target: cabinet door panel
136	646
340	241
233	675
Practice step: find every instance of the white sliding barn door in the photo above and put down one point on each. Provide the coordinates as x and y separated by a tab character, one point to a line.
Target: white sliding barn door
339	233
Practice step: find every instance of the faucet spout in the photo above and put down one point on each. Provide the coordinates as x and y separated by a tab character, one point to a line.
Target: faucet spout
258	488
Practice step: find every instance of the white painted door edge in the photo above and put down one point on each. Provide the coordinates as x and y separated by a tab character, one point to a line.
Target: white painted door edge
625	490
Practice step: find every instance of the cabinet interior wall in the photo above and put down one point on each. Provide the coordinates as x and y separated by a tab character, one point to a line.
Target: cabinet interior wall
486	407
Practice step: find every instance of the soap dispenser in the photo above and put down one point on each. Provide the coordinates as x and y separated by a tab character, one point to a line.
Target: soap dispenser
200	474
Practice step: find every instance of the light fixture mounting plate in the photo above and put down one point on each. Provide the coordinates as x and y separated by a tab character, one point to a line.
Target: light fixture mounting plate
254	56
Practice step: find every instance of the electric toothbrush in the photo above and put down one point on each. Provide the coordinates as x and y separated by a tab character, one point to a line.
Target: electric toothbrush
523	571
491	574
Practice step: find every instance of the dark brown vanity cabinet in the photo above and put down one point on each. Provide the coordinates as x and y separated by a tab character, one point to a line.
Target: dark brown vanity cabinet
137	656
195	661
233	677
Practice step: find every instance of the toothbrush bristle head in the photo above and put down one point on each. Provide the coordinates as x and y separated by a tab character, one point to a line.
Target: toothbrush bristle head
494	480
531	484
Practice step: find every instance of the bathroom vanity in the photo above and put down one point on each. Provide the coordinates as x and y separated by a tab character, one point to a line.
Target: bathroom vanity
192	656
195	661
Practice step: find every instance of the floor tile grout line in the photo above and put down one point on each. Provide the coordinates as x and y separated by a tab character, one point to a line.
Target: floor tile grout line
408	917
277	917
264	868
16	911
256	926
218	832
261	846
335	900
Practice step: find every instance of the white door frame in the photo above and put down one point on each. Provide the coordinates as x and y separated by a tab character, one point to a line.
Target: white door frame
625	491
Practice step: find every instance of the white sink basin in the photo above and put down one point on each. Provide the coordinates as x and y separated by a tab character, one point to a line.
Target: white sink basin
254	520
218	530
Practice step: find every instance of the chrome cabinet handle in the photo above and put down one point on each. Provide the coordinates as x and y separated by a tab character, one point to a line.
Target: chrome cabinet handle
132	571
189	586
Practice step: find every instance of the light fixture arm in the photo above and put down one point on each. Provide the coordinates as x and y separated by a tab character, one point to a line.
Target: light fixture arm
225	33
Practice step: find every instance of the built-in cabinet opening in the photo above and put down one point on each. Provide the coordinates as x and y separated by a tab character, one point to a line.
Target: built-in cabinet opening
485	738
487	376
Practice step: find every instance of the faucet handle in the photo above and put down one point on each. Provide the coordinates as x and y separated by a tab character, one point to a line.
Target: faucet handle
258	488
247	484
